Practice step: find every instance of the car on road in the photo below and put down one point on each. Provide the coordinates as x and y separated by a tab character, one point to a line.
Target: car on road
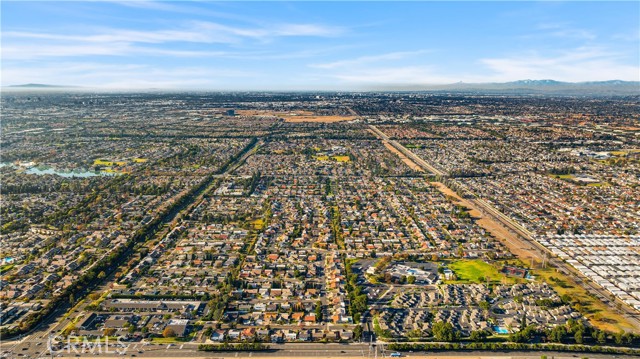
395	355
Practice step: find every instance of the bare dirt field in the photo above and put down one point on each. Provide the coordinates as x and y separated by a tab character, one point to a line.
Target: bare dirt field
323	119
296	116
515	245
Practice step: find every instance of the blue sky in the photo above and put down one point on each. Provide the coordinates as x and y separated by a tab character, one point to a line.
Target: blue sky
315	45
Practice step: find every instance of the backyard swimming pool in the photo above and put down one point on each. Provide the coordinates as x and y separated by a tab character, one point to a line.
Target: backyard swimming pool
500	330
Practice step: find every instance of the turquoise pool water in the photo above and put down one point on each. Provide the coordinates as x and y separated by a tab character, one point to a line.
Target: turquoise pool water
500	330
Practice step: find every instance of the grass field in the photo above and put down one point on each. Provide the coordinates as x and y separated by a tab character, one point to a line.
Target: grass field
103	162
170	340
140	160
5	268
474	271
569	176
258	224
598	313
336	158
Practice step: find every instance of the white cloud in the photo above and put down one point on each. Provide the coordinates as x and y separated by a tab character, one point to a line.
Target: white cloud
122	76
575	65
368	59
632	36
410	75
120	42
563	30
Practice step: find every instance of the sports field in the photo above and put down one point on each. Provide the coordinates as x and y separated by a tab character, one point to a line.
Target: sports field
474	271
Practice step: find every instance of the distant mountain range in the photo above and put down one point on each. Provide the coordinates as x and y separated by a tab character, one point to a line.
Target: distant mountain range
549	87
612	87
41	86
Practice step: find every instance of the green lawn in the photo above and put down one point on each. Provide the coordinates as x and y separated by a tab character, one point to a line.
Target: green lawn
5	268
172	340
474	271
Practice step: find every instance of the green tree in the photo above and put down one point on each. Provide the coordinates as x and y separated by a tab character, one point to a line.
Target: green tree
485	305
619	338
319	311
478	335
444	332
357	332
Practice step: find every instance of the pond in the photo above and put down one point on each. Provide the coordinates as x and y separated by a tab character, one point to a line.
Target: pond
47	170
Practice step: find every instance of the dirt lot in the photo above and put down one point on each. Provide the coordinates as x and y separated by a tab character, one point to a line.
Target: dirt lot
324	119
296	116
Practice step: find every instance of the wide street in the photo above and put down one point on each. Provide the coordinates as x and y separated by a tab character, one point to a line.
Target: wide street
290	350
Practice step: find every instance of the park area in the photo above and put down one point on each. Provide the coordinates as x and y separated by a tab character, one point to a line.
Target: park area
474	271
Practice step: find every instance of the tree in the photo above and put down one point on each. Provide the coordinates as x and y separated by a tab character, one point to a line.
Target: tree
318	311
485	305
109	332
411	279
601	337
579	337
619	338
357	332
478	335
444	332
168	333
557	334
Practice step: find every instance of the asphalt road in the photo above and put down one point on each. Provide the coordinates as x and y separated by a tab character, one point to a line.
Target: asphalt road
310	350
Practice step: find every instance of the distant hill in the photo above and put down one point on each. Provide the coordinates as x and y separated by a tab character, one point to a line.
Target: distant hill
41	86
612	87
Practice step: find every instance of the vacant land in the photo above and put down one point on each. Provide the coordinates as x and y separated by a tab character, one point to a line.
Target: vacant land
296	116
321	119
